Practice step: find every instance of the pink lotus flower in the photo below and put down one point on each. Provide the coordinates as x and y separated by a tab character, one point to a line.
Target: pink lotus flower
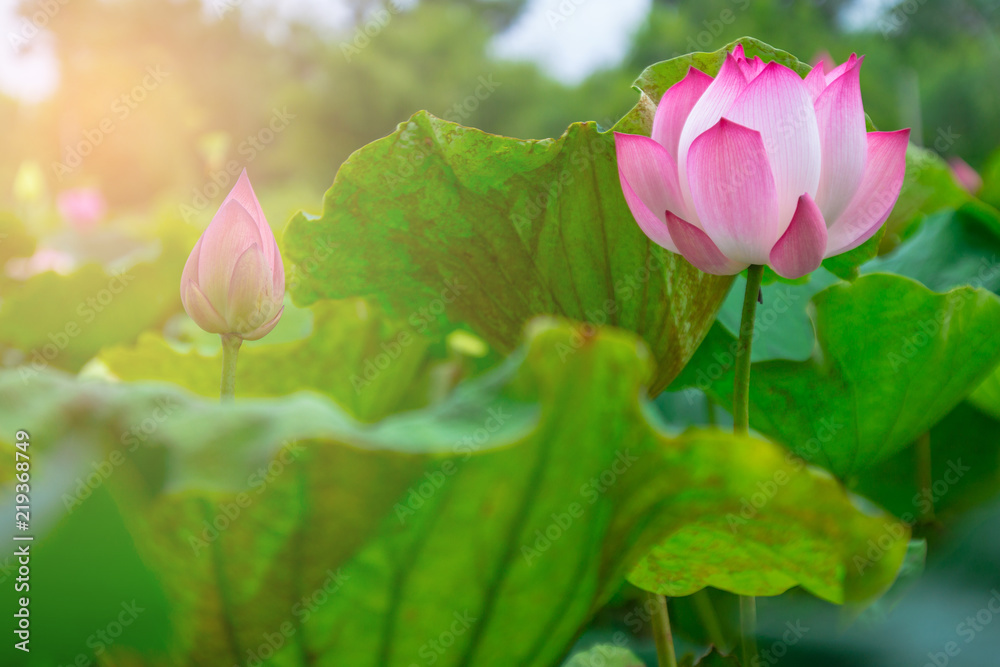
759	166
82	207
966	176
824	60
234	281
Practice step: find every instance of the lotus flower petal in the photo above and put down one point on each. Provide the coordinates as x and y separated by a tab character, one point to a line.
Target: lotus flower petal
844	141
778	105
699	249
674	108
265	329
815	82
734	192
201	310
801	248
244	194
835	73
966	176
228	236
649	182
751	68
190	273
885	168
249	287
716	100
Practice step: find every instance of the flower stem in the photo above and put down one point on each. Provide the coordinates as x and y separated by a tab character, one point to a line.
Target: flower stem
230	350
924	475
662	635
741	389
748	628
709	620
741	425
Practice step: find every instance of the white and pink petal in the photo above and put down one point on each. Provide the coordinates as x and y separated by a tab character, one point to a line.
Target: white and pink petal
841	117
711	106
734	192
700	250
885	168
230	233
778	105
648	178
201	310
675	106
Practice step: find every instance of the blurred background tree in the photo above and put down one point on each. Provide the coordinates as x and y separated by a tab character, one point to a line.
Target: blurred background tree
229	66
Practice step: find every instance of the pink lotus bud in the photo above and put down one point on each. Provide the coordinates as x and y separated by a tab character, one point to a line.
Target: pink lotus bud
823	60
966	176
761	166
234	281
82	207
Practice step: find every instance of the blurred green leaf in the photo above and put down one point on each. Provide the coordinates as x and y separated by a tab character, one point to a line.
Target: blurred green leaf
892	359
116	599
990	192
515	508
928	187
986	397
952	248
369	364
64	321
965	470
14	240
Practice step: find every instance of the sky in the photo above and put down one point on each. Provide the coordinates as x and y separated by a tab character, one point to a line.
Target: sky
27	65
569	39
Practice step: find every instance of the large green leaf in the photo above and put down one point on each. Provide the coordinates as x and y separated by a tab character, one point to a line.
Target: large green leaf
951	248
63	321
369	364
986	397
892	358
965	470
514	509
443	220
784	328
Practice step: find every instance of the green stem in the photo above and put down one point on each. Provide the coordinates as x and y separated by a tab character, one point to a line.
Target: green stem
230	350
748	628
741	388
709	620
662	635
924	474
710	411
741	425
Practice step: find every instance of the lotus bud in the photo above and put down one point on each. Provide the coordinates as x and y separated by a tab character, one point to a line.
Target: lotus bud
234	281
966	176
